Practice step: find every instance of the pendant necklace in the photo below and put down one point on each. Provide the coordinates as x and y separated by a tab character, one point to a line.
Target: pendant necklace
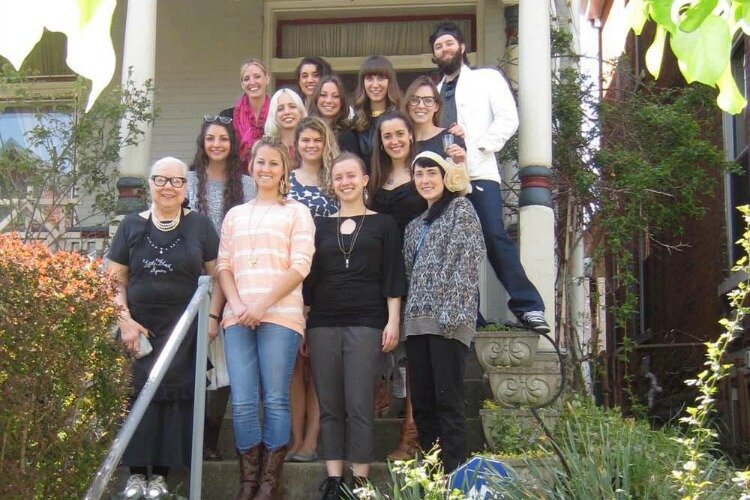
168	225
161	249
340	237
253	257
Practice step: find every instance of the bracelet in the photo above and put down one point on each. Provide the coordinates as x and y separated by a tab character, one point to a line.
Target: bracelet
215	316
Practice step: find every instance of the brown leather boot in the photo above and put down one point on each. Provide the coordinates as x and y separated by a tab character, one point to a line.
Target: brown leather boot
270	478
382	399
407	444
250	467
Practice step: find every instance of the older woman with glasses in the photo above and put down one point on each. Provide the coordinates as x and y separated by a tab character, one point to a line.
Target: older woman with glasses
156	258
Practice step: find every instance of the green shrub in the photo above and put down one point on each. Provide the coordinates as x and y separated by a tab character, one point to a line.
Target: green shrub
609	456
511	435
62	377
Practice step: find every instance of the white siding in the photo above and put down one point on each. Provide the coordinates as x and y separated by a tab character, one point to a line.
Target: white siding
199	48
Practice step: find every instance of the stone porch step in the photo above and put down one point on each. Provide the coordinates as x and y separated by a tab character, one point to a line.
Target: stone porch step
387	433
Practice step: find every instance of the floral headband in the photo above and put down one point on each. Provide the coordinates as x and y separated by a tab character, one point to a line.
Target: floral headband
456	177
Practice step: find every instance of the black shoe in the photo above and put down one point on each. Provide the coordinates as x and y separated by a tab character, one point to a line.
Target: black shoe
331	488
534	321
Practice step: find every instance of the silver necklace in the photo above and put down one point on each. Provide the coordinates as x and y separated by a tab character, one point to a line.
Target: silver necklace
162	249
340	237
168	225
253	257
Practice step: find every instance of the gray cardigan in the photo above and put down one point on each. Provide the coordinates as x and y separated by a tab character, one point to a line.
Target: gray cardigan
443	294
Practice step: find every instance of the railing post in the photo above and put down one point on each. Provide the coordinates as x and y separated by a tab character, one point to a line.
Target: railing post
199	401
100	481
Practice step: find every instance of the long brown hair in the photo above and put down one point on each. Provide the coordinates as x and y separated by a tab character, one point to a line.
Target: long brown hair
233	194
411	91
341	120
381	165
380	66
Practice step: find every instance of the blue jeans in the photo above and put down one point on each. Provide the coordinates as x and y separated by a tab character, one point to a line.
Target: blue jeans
501	250
258	359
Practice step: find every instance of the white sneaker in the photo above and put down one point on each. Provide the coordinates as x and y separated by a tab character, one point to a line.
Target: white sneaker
135	487
534	320
157	486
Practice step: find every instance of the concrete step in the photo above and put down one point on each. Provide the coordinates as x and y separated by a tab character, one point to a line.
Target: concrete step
300	481
221	480
387	433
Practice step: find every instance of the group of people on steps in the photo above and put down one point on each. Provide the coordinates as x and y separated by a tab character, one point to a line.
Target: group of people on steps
338	232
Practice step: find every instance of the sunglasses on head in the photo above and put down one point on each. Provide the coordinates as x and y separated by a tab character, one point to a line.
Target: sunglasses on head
217	118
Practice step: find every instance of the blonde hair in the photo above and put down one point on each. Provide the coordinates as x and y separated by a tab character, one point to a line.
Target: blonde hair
330	148
272	127
276	144
252	61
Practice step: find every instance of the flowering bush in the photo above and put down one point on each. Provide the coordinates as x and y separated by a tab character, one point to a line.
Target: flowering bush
62	377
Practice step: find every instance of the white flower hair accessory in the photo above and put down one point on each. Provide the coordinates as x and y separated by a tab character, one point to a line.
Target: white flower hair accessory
456	177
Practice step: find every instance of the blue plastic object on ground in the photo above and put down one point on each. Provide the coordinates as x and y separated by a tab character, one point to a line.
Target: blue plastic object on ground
471	477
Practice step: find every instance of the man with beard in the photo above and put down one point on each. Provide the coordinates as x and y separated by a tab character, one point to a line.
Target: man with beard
478	104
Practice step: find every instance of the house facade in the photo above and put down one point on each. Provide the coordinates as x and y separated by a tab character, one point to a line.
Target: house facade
682	293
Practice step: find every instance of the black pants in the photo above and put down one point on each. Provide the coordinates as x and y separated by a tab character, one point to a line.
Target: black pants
436	378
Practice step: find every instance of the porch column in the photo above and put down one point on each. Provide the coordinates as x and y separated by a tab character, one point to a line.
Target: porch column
536	218
139	54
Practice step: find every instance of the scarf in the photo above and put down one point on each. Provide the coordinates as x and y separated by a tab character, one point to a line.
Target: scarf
247	128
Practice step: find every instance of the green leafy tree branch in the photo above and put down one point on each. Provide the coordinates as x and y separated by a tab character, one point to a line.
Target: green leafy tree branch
700	34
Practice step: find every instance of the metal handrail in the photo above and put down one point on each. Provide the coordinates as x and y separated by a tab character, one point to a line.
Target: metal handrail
199	304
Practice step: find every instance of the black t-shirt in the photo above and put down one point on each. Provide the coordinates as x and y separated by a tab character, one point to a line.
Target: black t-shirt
354	296
164	266
435	143
449	114
402	203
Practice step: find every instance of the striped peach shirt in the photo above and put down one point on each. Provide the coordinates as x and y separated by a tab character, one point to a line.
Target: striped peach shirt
276	238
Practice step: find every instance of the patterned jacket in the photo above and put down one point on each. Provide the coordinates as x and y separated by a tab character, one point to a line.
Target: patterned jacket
443	294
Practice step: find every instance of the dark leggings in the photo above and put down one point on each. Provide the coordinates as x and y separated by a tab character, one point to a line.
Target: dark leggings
156	469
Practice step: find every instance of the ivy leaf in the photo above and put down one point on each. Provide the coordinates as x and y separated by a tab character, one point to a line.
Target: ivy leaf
87	9
655	53
661	13
704	52
697	13
730	99
742	14
637	14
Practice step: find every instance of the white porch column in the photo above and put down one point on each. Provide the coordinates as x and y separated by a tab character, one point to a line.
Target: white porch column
536	218
139	53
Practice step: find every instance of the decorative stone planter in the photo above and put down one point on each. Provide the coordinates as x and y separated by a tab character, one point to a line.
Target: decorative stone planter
534	385
506	348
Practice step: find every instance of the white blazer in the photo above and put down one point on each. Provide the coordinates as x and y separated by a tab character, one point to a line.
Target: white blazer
487	113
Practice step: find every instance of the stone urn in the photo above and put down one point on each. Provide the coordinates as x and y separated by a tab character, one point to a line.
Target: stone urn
505	348
518	375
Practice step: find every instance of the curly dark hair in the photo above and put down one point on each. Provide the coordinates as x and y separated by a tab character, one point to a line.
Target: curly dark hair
233	194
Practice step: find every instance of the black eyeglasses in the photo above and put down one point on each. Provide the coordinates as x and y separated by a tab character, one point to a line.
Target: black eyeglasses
217	118
427	101
161	181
